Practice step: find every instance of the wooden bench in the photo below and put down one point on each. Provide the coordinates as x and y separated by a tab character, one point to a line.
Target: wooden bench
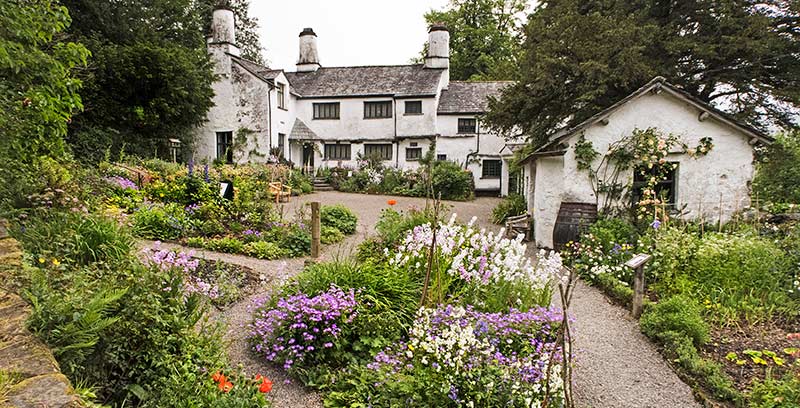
519	224
280	191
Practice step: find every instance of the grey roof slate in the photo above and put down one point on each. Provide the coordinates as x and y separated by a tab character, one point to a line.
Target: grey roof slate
300	131
265	73
470	97
396	80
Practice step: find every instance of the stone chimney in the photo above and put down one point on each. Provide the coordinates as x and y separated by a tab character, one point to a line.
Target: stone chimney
308	61
223	30
439	50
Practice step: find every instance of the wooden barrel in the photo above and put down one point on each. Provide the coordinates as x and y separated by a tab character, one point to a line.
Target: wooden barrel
573	220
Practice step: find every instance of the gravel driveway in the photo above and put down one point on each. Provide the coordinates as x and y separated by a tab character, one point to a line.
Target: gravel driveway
616	366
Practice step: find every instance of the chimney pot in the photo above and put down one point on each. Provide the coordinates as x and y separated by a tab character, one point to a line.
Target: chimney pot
308	60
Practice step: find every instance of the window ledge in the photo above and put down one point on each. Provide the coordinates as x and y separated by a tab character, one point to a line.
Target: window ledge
324	118
413	114
490	177
387	117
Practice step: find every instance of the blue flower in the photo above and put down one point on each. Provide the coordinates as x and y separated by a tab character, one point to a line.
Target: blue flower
656	224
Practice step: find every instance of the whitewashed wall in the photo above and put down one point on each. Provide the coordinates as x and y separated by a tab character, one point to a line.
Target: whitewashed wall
724	175
282	119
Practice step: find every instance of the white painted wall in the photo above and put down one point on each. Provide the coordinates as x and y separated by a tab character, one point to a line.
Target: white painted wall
722	175
282	119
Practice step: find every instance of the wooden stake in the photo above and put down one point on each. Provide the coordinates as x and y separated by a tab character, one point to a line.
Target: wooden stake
637	263
315	229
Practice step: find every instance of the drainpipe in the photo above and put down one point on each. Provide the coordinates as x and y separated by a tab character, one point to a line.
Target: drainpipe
269	118
397	156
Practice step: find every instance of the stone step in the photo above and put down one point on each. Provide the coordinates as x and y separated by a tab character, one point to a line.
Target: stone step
327	188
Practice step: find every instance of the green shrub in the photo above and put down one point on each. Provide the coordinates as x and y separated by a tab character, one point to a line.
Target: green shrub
678	314
296	241
778	171
330	235
452	181
163	222
225	244
339	217
613	231
196	242
776	393
264	250
75	238
392	225
512	205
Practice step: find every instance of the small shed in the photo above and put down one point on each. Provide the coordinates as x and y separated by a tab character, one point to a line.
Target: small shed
712	156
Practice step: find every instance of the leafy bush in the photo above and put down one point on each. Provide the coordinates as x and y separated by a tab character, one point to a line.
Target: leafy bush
225	244
339	217
776	393
610	232
330	235
679	315
163	222
452	181
512	205
264	250
296	241
392	225
778	171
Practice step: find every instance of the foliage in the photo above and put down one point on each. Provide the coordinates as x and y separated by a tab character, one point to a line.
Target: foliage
330	235
776	393
606	50
38	96
150	75
512	205
678	315
451	182
339	217
247	38
779	171
264	250
484	37
133	330
166	222
392	226
452	354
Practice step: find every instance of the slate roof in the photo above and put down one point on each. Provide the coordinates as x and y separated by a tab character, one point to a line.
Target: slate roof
657	84
300	131
469	97
384	80
265	73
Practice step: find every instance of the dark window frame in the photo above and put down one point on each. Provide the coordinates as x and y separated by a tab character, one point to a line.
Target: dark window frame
670	184
281	141
325	110
336	151
488	169
281	96
441	157
377	109
225	146
416	156
416	110
383	150
467	125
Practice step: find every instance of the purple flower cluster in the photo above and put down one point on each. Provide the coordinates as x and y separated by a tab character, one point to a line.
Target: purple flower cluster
191	209
166	259
253	233
122	182
299	325
463	344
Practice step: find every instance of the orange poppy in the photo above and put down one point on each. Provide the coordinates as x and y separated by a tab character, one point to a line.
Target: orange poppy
391	202
216	376
266	386
225	386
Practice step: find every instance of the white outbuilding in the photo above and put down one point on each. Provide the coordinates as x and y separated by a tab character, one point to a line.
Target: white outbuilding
713	163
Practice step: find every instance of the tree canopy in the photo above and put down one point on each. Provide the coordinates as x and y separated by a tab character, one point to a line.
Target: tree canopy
38	93
743	56
484	37
149	79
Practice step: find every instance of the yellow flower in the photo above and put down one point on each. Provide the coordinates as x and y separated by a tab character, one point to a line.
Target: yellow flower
410	347
41	260
161	194
56	262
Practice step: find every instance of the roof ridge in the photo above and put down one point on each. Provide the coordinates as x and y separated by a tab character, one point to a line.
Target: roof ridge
483	81
369	66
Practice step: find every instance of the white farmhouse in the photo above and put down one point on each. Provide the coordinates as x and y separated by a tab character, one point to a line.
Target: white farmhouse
321	116
710	187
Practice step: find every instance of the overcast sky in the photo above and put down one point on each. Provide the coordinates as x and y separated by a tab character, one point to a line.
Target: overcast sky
349	32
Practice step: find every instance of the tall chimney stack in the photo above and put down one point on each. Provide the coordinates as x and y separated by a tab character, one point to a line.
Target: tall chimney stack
223	29
439	50
308	61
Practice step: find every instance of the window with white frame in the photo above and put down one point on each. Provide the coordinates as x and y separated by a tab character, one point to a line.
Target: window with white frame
337	151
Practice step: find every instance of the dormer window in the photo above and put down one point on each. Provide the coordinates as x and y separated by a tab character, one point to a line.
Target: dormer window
282	96
377	110
467	125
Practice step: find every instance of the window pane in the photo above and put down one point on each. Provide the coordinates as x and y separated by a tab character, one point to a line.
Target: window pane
225	146
413	153
380	151
337	152
413	107
491	168
467	125
328	110
374	110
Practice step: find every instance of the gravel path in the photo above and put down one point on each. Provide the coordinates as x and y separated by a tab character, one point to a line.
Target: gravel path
616	365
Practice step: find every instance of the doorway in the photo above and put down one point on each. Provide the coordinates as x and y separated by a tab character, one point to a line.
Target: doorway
308	158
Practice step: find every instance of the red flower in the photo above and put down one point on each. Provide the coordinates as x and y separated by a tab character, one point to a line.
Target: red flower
225	386
216	376
391	202
266	385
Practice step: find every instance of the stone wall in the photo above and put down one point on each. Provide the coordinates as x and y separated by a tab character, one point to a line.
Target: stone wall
29	374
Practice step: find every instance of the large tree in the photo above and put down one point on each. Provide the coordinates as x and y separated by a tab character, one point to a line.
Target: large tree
485	37
38	94
149	79
580	56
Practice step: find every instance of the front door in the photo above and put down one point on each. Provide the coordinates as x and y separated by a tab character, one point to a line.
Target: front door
308	157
